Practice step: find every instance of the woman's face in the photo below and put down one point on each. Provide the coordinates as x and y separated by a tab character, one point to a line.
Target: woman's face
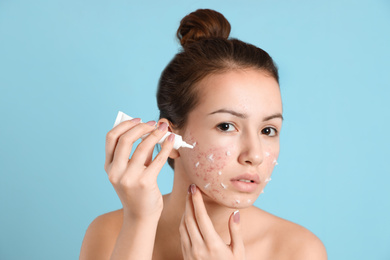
235	128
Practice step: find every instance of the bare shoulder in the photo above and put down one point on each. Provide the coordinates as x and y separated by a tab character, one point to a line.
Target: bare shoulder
288	240
101	235
303	243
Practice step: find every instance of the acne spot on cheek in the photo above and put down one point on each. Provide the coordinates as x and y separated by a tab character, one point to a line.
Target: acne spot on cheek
215	160
208	165
218	193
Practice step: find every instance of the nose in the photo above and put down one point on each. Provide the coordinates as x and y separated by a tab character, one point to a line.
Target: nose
251	150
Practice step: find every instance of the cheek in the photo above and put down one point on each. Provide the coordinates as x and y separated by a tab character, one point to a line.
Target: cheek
207	160
269	162
270	157
209	163
209	167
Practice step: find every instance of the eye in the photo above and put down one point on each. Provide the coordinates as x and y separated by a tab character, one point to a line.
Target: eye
226	127
270	131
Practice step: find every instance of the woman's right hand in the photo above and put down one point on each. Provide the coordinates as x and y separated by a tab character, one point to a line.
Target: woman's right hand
135	179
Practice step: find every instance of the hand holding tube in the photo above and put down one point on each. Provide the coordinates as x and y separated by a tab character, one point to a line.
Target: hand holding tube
178	139
135	179
135	182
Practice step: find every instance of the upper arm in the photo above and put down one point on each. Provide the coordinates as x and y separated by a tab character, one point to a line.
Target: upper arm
100	237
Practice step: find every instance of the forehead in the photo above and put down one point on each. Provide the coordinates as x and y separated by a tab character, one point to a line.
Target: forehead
250	91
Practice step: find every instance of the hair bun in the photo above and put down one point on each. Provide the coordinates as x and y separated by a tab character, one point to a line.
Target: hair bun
203	23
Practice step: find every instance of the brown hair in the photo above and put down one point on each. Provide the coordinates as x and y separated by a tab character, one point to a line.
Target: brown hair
207	50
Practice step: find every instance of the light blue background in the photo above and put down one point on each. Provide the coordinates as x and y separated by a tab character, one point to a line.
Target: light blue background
67	67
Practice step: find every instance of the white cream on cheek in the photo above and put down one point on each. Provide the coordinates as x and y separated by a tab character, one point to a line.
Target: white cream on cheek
270	161
274	162
209	164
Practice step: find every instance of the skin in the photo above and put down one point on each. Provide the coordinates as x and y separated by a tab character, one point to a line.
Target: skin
237	146
233	136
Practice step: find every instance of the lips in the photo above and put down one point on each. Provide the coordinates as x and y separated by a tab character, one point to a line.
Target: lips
246	182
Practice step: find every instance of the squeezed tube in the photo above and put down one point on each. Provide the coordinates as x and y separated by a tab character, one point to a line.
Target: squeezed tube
178	139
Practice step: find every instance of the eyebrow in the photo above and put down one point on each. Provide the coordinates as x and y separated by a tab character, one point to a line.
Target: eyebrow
234	113
277	115
240	115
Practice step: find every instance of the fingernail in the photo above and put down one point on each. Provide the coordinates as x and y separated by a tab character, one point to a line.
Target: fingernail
151	123
162	127
136	120
189	189
236	216
171	137
193	188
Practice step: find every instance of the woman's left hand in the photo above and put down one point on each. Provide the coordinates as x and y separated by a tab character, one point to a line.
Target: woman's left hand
199	240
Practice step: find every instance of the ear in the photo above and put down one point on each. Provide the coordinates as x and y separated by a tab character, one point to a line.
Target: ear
174	153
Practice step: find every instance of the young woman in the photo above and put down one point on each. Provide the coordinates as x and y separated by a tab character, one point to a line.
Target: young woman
221	95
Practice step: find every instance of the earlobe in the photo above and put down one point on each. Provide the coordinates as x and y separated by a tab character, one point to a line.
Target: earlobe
174	153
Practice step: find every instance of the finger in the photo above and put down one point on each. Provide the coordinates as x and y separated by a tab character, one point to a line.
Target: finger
113	136
149	157
126	141
142	151
205	224
237	243
191	225
161	158
184	237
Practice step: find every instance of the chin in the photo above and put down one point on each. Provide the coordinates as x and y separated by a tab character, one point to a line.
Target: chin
229	199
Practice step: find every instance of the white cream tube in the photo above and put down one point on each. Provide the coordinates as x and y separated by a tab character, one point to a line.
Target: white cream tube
178	139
